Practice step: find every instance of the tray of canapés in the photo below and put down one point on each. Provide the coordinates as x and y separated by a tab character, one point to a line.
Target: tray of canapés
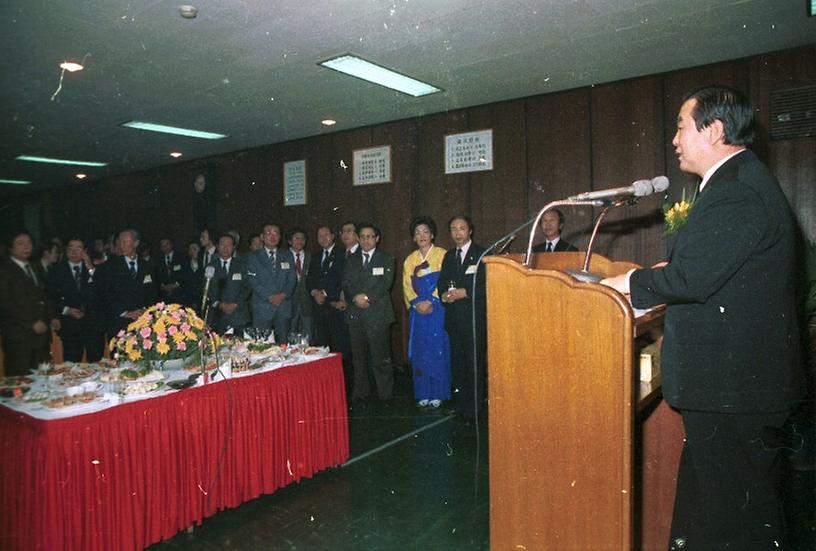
15	386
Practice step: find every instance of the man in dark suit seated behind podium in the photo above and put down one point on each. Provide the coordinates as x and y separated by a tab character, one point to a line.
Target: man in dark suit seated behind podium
552	224
730	360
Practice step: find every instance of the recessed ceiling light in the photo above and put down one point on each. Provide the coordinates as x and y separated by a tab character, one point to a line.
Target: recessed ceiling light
16	182
81	176
49	160
164	129
371	72
328	122
71	67
176	154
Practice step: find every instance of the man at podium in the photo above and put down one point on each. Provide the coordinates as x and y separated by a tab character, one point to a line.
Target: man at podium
730	352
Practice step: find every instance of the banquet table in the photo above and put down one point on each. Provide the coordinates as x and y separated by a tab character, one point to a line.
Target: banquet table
135	474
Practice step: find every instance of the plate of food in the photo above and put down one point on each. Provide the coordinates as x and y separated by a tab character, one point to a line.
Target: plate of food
142	389
70	404
13	391
319	351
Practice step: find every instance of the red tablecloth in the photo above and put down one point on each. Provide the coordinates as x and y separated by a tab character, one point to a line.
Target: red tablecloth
135	474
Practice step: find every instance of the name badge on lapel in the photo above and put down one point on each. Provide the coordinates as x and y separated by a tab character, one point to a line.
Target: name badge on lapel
236	277
284	265
378	271
471	269
177	268
147	279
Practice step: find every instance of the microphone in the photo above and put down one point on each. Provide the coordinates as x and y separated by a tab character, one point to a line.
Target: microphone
640	188
209	273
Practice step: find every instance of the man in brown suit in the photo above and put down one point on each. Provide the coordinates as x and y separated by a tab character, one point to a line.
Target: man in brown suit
26	319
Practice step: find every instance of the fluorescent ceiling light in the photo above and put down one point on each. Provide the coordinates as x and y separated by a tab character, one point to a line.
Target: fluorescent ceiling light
57	161
176	154
164	129
17	182
365	70
81	176
328	122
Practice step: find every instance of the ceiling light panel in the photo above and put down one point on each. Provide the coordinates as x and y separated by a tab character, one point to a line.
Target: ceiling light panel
175	130
371	72
49	160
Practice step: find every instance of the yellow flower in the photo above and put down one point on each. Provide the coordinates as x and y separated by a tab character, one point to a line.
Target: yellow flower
198	323
178	337
159	327
190	336
162	348
135	356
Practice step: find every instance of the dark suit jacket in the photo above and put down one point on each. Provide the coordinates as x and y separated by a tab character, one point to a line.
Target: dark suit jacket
178	272
560	247
63	292
231	287
731	337
328	276
301	300
374	281
267	280
22	303
121	293
458	315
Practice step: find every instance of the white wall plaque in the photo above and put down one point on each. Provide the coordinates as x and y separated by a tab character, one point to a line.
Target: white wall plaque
372	165
294	183
469	152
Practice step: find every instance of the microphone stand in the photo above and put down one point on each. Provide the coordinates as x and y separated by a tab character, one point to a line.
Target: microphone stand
584	274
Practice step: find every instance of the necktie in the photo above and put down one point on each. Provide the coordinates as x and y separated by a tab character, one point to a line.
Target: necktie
272	257
132	268
325	256
224	265
30	274
365	260
298	264
549	246
167	260
207	258
459	257
76	276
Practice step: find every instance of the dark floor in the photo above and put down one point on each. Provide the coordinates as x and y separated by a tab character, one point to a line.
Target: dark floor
426	490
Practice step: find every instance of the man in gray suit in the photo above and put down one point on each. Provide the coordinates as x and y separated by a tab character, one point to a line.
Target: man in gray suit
302	301
367	280
271	275
229	290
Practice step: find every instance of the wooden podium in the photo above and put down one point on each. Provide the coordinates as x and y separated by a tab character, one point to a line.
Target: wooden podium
582	455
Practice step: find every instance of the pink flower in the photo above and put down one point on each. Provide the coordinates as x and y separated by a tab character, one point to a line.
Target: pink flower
145	332
181	346
176	314
147	344
162	337
172	329
185	326
121	333
159	305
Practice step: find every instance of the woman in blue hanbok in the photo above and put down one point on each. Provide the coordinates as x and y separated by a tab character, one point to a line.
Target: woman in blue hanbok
428	347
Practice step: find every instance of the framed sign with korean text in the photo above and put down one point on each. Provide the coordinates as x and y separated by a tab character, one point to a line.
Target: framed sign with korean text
372	165
294	183
469	152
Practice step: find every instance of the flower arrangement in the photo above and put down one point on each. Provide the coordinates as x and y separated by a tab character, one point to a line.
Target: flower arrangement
677	215
162	332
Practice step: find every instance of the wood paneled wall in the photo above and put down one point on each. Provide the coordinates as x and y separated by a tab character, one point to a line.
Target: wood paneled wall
545	148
